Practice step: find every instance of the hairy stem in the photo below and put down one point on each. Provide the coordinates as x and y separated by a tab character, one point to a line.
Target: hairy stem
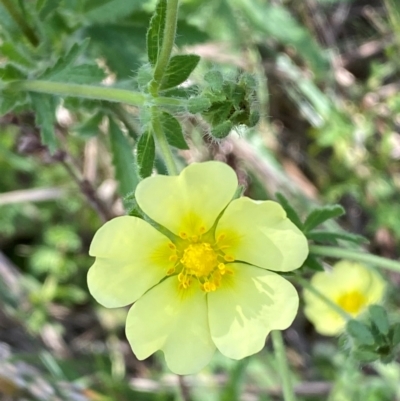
279	348
358	256
162	142
93	92
171	19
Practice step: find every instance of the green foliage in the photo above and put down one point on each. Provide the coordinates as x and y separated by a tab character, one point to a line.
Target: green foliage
45	108
376	338
320	215
123	159
155	32
178	70
173	131
145	154
290	211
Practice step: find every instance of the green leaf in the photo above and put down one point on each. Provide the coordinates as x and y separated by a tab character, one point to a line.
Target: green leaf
90	127
360	332
46	7
173	131
198	104
81	74
326	236
290	212
45	117
395	331
10	73
114	43
67	61
215	80
146	152
123	160
313	263
379	318
320	215
103	11
15	54
155	34
10	100
178	70
222	130
365	356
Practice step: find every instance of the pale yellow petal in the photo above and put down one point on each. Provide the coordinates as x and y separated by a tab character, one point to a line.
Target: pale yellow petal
347	276
191	202
131	257
167	319
247	307
326	321
259	233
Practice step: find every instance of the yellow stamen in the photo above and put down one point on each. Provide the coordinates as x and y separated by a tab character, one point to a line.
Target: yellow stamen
170	271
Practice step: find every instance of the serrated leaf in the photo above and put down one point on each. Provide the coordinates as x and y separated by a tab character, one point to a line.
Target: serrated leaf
379	318
155	33
80	74
10	73
14	54
123	160
146	152
66	61
326	236
178	70
320	215
360	332
45	117
10	100
290	212
173	131
313	263
114	42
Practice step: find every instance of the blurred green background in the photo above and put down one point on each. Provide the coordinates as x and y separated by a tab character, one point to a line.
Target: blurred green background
327	74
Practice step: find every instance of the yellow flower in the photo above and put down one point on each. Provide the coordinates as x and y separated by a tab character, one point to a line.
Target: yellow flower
350	285
201	282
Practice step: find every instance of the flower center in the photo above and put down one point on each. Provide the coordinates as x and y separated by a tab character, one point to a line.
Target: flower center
352	302
199	259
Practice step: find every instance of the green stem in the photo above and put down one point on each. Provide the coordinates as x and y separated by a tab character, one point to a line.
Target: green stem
171	19
341	253
162	142
20	21
305	284
93	92
279	348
